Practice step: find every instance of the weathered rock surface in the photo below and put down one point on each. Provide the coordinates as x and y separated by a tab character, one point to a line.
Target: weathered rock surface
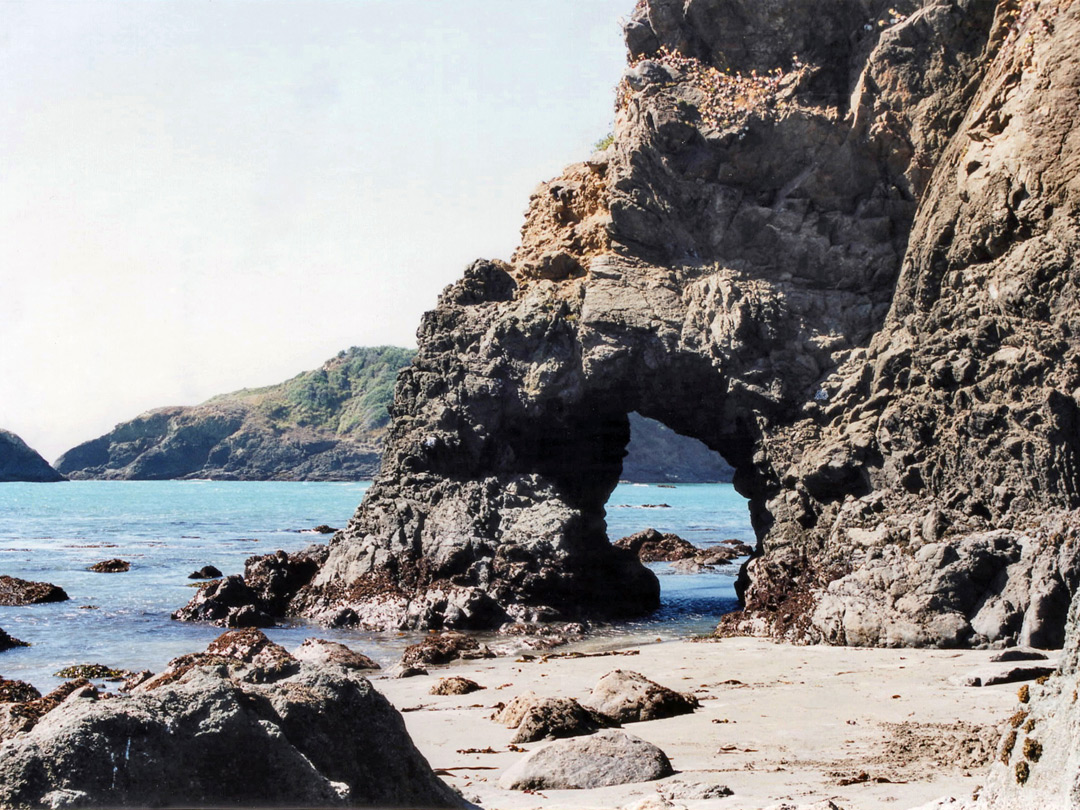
269	584
537	717
321	651
630	697
851	274
19	462
14	591
652	546
455	685
232	728
1038	762
7	642
323	425
606	758
443	648
111	567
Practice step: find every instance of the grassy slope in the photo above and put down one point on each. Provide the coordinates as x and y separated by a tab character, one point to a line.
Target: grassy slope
348	395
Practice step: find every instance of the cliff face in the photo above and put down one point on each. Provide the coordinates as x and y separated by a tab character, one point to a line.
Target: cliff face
19	462
847	271
323	425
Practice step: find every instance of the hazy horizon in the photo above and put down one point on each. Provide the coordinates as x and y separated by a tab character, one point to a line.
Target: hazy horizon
205	196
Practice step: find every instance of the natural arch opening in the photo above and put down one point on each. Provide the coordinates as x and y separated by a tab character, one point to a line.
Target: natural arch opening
675	506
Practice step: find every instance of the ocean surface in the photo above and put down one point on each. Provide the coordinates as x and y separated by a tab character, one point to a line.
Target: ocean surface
167	529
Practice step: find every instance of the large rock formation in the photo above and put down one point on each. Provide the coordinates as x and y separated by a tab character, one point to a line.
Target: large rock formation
20	462
322	425
849	272
242	725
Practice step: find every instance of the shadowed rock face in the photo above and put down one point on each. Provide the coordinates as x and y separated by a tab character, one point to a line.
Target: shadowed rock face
849	274
20	462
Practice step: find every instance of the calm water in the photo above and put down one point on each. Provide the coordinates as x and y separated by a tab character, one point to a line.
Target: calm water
167	529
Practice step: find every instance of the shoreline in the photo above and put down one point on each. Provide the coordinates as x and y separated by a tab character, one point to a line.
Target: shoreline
777	723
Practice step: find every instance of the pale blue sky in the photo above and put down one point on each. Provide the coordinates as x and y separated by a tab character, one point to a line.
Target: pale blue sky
206	195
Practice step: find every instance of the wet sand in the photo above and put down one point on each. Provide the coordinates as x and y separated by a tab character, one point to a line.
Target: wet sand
865	728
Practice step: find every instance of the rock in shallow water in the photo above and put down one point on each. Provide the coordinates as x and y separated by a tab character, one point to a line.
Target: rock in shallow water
111	567
206	572
8	642
307	735
15	591
605	758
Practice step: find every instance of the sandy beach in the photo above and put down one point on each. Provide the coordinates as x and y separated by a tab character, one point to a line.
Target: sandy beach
864	728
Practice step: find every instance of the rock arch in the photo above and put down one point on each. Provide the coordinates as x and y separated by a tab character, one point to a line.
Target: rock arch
812	267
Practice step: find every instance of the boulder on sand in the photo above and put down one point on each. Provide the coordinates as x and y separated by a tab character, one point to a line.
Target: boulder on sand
537	717
608	757
304	735
321	651
630	697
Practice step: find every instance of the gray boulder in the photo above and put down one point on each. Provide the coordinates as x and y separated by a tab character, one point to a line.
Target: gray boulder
606	758
629	697
222	731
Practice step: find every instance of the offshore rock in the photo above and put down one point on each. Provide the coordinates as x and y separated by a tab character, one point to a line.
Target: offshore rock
19	462
652	546
311	736
14	591
851	274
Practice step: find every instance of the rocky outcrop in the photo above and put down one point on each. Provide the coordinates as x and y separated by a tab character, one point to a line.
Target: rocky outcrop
321	651
652	546
19	462
15	591
848	272
323	425
243	724
265	591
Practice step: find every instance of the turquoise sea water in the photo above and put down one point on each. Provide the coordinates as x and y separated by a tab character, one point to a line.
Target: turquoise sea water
167	529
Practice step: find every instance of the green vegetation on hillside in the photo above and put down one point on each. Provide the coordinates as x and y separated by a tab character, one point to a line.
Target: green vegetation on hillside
348	394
